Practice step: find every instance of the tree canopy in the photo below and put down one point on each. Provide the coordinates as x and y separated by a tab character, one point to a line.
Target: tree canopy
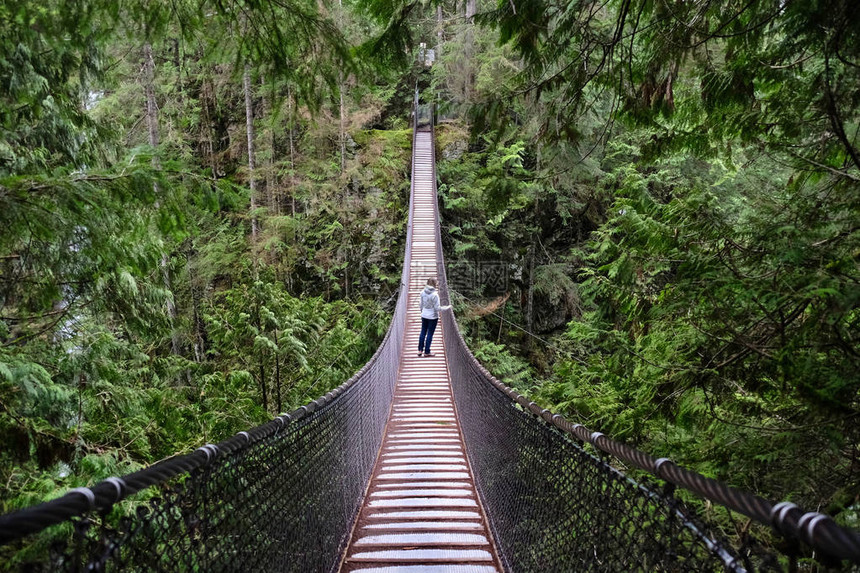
651	208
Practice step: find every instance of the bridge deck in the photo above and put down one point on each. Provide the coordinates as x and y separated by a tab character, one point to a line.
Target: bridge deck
422	513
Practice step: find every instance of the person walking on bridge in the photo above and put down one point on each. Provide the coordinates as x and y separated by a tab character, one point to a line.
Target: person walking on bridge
430	307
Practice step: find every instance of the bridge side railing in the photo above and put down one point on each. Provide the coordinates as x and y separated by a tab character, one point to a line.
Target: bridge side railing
554	506
279	497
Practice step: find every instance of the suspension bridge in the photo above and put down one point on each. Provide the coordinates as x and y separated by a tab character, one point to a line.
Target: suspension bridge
418	465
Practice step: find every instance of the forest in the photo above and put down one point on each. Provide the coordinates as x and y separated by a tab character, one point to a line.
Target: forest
650	215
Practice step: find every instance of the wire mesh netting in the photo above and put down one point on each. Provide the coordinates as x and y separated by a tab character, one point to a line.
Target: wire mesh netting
285	503
554	506
284	496
280	497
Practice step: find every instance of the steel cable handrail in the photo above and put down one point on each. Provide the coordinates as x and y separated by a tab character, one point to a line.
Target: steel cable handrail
529	479
108	492
208	488
816	530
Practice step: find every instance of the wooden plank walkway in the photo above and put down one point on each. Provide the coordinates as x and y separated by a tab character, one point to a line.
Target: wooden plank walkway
422	513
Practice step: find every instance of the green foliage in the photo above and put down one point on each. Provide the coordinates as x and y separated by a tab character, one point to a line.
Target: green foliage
670	187
686	192
513	371
748	72
138	318
720	305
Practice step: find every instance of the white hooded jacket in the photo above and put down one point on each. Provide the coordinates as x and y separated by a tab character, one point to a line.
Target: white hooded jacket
430	303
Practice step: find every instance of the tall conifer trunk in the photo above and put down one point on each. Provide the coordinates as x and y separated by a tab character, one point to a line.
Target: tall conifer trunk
153	137
530	296
291	103
207	128
342	128
272	191
439	35
252	182
471	9
530	292
199	328
151	105
341	88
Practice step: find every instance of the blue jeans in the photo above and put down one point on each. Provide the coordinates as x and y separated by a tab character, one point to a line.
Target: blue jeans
428	327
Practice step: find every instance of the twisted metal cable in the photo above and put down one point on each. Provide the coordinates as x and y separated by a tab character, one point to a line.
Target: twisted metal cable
280	496
284	495
103	495
818	531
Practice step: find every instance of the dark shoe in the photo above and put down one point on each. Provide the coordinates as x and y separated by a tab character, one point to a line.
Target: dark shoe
420	354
